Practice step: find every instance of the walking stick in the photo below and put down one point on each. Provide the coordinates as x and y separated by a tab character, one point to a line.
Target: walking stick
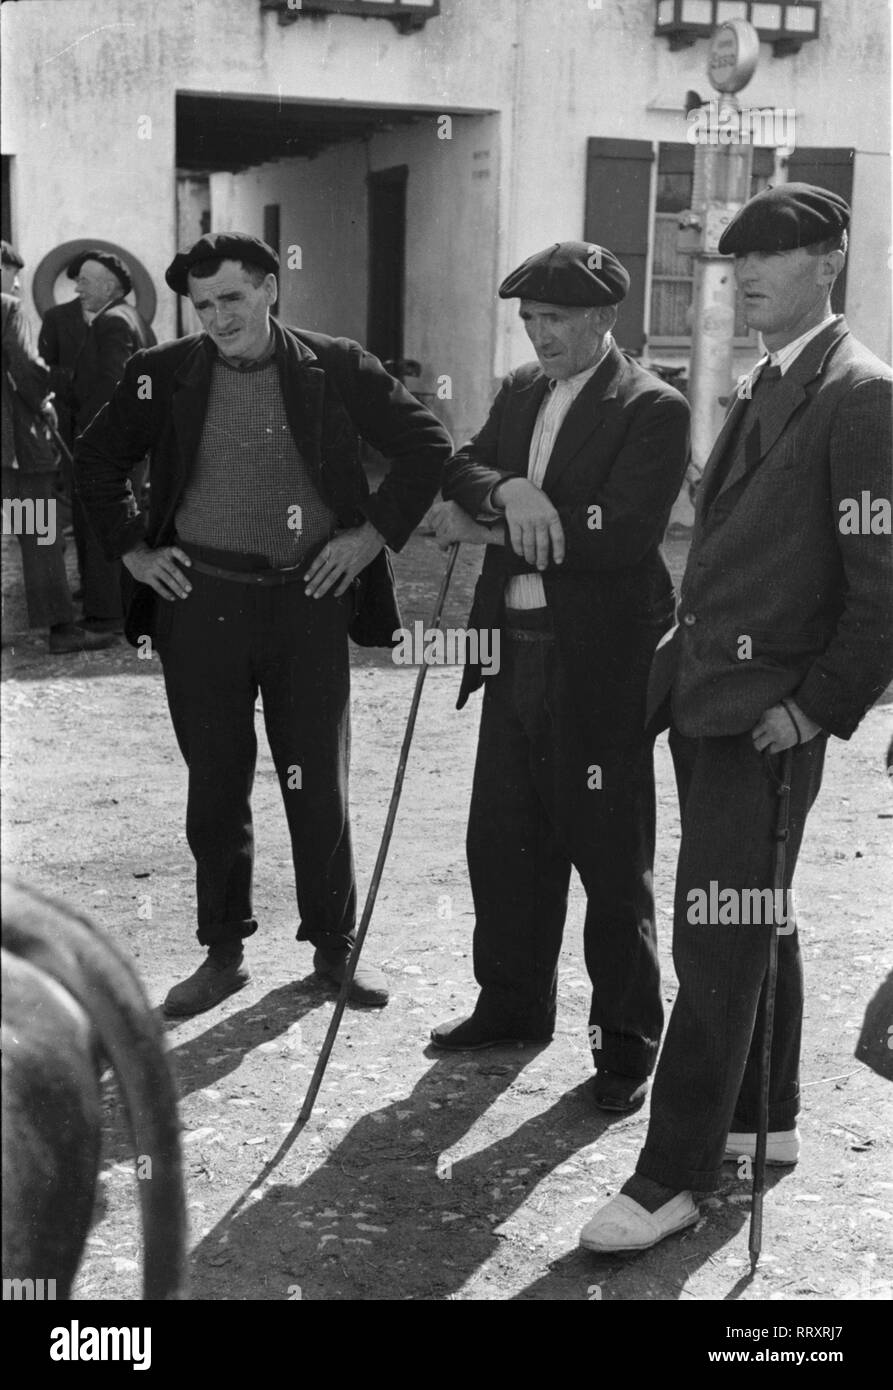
328	1044
783	792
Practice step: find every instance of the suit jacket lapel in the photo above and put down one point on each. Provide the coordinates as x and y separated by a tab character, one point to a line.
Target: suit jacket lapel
303	385
587	414
189	405
525	408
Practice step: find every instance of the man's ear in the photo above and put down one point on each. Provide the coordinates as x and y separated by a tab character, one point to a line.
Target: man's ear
830	266
271	288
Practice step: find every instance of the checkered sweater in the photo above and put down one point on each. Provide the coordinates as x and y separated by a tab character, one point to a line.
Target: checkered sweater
250	491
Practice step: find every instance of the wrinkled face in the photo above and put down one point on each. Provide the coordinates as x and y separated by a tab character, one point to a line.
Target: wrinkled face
784	292
9	280
566	340
96	286
234	312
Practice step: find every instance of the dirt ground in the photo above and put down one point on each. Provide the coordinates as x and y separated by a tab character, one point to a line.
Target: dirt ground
426	1176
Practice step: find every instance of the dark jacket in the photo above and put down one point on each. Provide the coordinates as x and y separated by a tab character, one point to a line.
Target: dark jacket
62	335
623	448
769	560
26	385
116	333
334	392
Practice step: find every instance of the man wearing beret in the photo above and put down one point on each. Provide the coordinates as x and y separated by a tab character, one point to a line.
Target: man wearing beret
570	484
114	332
263	550
785	636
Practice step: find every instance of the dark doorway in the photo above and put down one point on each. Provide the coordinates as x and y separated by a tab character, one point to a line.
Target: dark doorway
387	258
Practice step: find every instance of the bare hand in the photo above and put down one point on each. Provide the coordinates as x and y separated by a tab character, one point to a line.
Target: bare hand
160	569
534	525
48	411
345	556
776	730
453	525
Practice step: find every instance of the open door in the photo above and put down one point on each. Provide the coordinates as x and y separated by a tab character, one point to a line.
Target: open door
387	268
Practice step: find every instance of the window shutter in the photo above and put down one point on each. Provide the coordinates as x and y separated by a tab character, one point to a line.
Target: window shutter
618	181
832	169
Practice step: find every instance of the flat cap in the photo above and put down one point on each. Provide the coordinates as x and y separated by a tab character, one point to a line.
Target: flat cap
105	258
9	256
220	246
576	273
784	218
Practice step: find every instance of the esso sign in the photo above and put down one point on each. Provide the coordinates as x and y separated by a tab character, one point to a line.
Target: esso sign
734	51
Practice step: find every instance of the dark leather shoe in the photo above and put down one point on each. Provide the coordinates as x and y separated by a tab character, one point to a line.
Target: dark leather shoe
622	1094
216	978
368	986
115	625
472	1033
77	639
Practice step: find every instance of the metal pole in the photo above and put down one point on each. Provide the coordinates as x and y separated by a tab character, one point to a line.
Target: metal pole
783	791
328	1044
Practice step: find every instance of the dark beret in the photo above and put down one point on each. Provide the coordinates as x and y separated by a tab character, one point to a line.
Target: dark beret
9	256
112	263
220	246
783	218
575	273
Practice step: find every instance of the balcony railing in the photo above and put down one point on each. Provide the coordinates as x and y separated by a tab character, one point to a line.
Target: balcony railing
408	15
787	24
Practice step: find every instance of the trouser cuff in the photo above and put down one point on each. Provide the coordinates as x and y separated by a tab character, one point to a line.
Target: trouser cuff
224	933
661	1169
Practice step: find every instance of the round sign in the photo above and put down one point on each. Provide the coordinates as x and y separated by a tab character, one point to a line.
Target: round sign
733	56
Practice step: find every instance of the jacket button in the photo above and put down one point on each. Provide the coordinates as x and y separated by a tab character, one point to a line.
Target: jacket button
689	620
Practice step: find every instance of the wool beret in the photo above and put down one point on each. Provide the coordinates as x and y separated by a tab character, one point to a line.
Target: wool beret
105	258
221	246
576	273
785	217
9	256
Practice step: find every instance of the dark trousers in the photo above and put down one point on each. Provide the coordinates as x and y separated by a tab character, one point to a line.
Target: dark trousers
707	1079
219	647
534	816
100	578
47	595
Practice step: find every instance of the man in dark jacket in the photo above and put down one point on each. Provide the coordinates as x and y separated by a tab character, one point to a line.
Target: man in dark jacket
262	551
29	474
785	635
573	475
115	331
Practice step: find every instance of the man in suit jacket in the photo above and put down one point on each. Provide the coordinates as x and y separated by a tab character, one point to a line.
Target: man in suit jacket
115	331
253	432
785	636
578	466
29	472
63	333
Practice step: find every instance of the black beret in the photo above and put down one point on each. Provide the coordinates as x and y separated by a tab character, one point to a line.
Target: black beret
105	258
9	256
575	273
220	246
784	218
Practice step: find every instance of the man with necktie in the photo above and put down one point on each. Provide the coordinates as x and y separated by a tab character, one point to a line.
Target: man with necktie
785	635
569	484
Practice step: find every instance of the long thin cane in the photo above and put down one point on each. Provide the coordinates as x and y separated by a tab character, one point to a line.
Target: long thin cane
328	1044
783	791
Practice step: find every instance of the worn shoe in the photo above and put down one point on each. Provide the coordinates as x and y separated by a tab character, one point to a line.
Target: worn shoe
471	1034
782	1147
77	639
220	975
368	986
115	625
620	1094
623	1224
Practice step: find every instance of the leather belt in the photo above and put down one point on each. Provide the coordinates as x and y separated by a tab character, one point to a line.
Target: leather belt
529	625
267	577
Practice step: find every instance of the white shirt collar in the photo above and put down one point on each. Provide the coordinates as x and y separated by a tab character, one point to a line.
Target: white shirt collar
785	357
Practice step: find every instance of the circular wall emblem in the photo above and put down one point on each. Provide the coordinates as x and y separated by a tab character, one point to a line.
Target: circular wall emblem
55	262
733	56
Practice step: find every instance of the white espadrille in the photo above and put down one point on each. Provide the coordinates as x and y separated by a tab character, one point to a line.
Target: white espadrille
623	1224
782	1147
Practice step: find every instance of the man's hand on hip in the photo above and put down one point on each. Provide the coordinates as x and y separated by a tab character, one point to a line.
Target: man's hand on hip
783	726
160	569
345	556
534	527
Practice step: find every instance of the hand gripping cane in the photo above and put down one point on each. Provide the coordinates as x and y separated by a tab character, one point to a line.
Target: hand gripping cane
783	792
328	1044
